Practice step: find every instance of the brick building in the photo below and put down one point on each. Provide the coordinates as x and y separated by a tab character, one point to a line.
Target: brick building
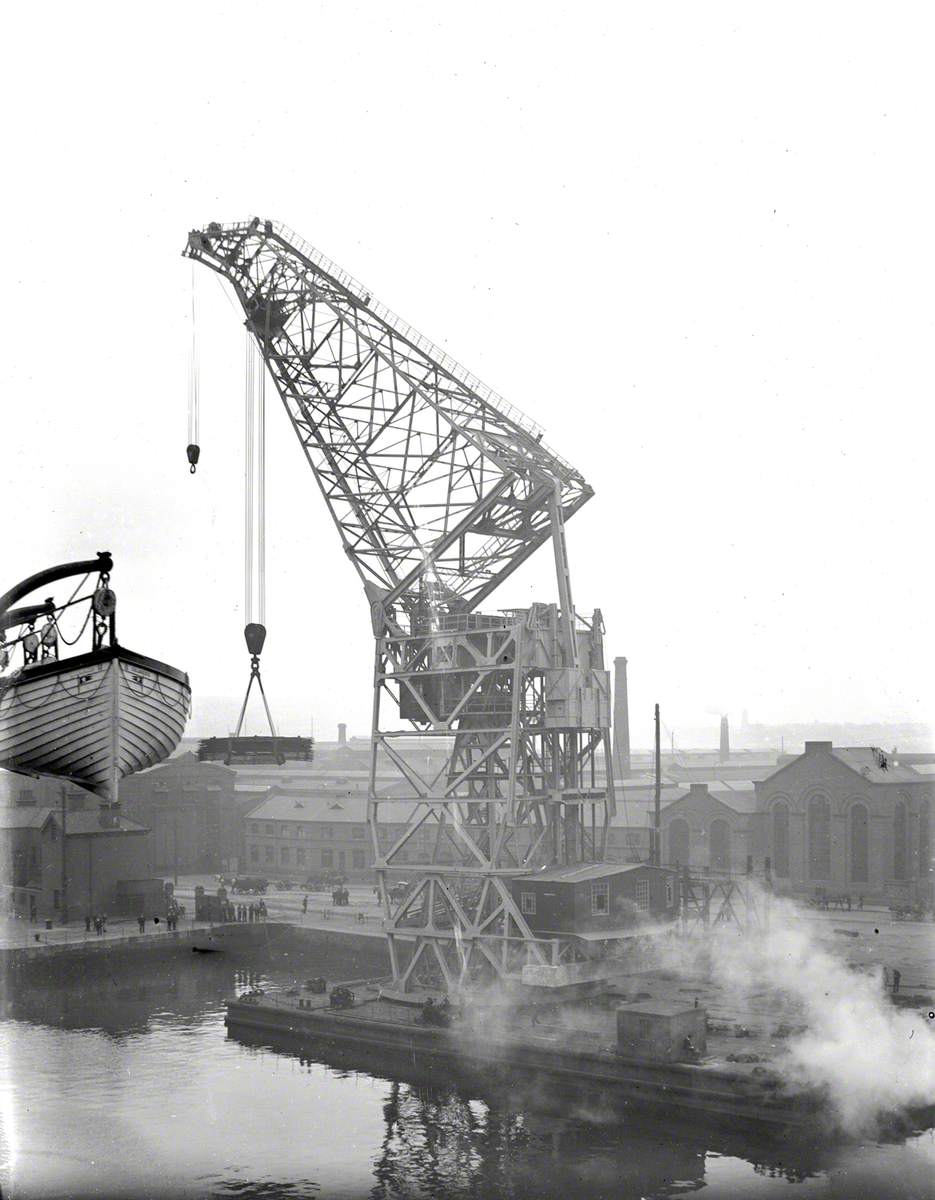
849	820
193	811
103	849
713	827
292	834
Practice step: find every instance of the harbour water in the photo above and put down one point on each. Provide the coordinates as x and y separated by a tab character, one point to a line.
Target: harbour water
124	1083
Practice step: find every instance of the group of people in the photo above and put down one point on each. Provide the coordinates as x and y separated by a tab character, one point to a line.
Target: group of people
99	921
248	914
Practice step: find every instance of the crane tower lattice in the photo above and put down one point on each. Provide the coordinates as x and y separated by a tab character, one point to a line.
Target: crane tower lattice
440	490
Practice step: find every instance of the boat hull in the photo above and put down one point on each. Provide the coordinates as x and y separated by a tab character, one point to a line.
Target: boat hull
94	718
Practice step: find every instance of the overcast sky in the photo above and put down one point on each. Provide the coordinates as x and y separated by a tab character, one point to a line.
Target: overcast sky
694	242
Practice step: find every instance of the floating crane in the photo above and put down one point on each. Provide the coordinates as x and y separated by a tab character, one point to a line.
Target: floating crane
440	490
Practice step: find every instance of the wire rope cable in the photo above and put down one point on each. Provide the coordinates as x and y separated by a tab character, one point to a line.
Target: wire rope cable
193	380
249	390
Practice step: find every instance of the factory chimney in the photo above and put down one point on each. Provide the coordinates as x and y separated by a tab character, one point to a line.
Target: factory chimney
342	734
724	754
621	721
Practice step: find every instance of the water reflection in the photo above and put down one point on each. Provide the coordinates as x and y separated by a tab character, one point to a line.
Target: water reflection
453	1132
122	1082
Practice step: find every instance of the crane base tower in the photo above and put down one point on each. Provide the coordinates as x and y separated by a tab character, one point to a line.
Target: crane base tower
519	786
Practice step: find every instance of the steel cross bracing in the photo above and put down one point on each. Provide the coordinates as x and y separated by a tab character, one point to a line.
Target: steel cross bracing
419	468
440	490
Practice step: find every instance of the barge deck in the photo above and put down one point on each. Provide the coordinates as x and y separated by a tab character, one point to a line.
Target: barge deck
565	1057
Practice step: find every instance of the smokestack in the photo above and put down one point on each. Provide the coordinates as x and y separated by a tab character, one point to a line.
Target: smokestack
342	734
621	720
725	741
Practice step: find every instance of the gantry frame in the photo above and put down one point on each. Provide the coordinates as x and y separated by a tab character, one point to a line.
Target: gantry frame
440	490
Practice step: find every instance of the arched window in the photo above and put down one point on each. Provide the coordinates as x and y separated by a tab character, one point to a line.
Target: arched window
925	840
781	839
900	840
719	845
819	838
860	844
678	842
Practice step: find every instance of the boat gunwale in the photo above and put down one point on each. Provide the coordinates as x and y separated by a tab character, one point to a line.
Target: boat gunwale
94	658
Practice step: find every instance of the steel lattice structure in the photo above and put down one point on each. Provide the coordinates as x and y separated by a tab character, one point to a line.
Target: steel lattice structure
440	490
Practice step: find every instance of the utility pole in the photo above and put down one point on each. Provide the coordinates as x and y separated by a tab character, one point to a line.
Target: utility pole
63	895
657	806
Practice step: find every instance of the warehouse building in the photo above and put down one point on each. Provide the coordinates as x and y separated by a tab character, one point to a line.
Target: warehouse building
104	850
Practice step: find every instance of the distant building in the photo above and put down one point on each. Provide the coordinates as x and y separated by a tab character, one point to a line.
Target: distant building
292	835
191	808
295	833
104	850
713	827
29	855
849	820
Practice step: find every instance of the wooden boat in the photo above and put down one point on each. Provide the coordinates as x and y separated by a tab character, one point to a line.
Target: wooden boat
94	717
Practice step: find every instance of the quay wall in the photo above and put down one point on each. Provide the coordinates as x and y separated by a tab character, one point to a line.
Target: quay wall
269	944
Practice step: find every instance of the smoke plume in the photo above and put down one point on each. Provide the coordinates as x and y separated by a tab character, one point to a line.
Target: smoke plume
870	1058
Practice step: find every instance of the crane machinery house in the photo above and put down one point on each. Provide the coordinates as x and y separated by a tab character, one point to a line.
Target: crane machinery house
602	900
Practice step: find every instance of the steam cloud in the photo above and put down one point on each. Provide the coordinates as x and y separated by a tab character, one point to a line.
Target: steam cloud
871	1058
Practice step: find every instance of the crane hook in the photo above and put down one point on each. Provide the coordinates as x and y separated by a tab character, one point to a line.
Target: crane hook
193	451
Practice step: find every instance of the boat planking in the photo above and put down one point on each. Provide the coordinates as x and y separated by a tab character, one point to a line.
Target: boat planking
92	717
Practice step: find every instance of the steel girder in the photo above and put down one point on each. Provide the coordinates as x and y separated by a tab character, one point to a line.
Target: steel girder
439	489
435	483
516	789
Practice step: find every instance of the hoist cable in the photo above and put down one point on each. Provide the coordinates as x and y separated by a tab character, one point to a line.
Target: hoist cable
261	494
248	478
193	374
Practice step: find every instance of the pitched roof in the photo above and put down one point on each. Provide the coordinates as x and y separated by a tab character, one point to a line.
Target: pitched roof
872	764
282	804
24	816
88	821
875	765
741	800
181	763
582	872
